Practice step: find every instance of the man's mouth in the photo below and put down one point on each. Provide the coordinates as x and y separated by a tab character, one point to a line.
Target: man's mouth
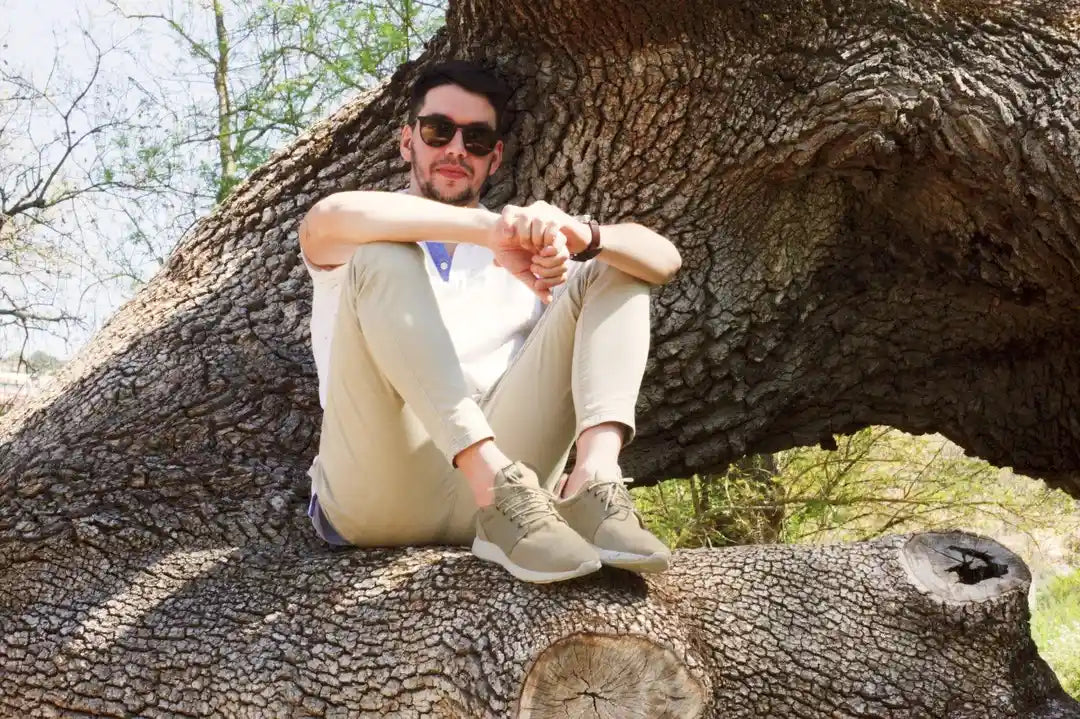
454	173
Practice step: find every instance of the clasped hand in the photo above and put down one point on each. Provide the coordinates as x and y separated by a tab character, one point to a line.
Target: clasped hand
533	244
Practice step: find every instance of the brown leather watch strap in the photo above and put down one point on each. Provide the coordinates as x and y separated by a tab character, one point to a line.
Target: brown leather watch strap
594	245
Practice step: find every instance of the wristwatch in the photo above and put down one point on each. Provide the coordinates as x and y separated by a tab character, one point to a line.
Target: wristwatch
594	246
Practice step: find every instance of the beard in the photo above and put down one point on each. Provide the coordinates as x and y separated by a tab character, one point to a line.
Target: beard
465	196
462	198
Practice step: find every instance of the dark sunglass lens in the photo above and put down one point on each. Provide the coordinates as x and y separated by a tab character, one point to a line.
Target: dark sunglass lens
436	131
478	140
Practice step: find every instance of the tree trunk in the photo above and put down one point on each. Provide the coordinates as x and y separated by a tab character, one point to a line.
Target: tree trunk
226	119
754	477
878	207
933	626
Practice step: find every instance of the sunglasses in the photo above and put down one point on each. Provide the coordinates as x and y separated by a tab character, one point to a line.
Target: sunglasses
479	138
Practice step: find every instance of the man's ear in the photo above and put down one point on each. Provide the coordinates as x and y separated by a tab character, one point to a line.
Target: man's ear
496	160
405	144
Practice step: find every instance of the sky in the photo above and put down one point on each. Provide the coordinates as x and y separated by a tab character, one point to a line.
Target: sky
34	34
48	40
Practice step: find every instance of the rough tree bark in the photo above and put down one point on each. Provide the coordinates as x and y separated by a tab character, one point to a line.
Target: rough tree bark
881	629
877	205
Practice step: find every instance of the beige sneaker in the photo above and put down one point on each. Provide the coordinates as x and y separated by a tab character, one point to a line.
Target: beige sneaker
522	532
603	512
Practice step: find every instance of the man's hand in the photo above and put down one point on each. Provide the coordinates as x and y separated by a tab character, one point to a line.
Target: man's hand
537	225
539	272
534	243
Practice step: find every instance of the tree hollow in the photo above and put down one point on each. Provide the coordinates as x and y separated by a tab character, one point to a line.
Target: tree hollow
962	567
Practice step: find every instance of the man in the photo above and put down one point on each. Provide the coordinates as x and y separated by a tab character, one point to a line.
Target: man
462	352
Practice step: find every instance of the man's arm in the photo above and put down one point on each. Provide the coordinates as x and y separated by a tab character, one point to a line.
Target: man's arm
636	250
336	225
630	247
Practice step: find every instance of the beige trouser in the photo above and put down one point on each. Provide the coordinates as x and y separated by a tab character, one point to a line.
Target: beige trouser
398	411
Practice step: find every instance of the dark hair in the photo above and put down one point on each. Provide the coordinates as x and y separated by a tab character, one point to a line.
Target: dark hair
467	75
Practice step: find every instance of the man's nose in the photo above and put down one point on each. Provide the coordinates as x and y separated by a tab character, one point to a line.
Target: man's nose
457	143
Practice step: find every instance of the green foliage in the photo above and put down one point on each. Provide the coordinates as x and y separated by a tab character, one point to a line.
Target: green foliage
880	480
877	481
282	65
294	61
1055	626
737	507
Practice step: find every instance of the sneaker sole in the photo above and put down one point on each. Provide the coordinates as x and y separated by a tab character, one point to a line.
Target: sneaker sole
492	553
657	562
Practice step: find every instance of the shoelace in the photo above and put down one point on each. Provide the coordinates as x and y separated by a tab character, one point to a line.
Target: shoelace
613	491
524	504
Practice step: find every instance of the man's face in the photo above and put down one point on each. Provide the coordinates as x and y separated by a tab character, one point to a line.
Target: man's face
450	173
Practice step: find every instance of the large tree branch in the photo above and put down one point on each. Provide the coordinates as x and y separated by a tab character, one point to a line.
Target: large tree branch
738	633
808	285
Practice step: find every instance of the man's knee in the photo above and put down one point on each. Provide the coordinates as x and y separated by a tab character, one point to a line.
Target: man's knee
385	258
602	273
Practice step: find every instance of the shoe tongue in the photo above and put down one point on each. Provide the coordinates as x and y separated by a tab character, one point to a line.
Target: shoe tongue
599	478
516	473
603	483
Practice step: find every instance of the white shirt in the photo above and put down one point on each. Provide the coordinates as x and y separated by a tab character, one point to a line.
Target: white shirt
487	312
